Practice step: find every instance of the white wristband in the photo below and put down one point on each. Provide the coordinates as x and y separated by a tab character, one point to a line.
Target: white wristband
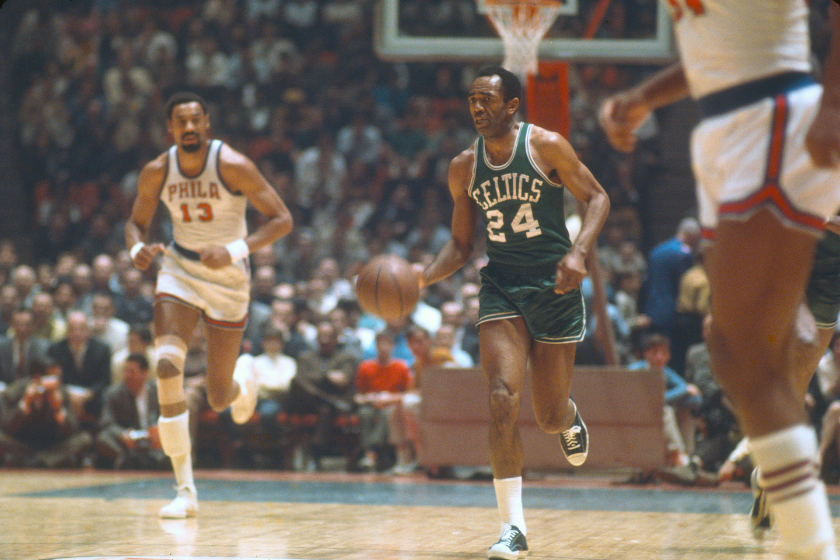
238	250
136	249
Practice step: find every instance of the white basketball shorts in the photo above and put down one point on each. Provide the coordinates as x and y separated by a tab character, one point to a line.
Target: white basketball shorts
222	295
754	157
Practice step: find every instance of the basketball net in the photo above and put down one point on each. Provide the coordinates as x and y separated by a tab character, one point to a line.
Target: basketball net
521	24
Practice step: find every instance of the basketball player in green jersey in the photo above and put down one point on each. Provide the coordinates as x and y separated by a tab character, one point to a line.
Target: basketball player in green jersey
531	307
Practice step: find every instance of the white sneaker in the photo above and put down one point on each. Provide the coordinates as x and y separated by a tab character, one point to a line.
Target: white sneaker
184	505
242	408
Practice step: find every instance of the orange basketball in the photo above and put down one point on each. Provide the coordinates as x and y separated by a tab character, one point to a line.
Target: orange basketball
387	287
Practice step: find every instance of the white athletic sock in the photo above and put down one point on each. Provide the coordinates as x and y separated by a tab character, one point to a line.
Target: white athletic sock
509	500
175	439
182	466
787	462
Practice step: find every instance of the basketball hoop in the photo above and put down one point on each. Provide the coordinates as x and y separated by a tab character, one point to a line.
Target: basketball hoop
521	24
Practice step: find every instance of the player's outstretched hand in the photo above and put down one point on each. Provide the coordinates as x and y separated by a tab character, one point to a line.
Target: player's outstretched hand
620	116
146	255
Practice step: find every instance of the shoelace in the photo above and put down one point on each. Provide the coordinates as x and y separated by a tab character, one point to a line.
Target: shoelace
508	538
570	436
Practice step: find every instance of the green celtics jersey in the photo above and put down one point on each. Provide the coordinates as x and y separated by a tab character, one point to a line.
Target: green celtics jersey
522	208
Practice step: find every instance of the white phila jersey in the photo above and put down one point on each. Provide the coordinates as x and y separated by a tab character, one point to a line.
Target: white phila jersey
204	212
723	43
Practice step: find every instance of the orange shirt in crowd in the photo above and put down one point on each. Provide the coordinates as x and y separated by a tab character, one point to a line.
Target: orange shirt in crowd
374	377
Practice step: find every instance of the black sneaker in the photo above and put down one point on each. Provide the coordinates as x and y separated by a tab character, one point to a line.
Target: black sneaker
760	512
511	546
575	442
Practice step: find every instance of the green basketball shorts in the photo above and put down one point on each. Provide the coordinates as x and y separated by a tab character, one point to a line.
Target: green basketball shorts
528	292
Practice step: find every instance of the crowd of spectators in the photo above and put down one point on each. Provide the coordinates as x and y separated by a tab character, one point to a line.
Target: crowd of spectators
358	149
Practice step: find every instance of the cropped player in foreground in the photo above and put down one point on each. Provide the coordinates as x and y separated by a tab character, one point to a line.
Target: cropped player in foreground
816	322
531	307
765	157
206	186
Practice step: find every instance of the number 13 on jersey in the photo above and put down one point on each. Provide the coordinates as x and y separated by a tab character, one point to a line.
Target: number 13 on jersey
202	212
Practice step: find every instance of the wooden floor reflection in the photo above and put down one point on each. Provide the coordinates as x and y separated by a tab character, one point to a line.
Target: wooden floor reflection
247	514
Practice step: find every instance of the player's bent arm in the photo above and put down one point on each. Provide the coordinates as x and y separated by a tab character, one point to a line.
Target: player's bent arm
240	173
621	114
143	211
665	87
458	248
554	152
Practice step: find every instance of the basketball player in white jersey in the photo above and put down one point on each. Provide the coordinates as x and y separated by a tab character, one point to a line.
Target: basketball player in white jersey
765	157
206	186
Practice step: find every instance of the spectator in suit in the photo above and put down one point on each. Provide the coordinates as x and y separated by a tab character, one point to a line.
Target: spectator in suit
132	306
21	349
48	323
64	296
263	282
25	282
127	436
352	336
287	316
348	337
103	274
38	427
139	342
82	281
85	364
106	327
324	384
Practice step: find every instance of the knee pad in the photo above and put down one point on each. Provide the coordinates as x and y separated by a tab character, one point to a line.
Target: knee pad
171	389
172	349
175	434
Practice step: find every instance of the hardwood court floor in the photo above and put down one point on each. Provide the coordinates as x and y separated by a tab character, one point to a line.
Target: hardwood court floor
255	514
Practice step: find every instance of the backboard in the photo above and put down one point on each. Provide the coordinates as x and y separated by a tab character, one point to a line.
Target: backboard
456	30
